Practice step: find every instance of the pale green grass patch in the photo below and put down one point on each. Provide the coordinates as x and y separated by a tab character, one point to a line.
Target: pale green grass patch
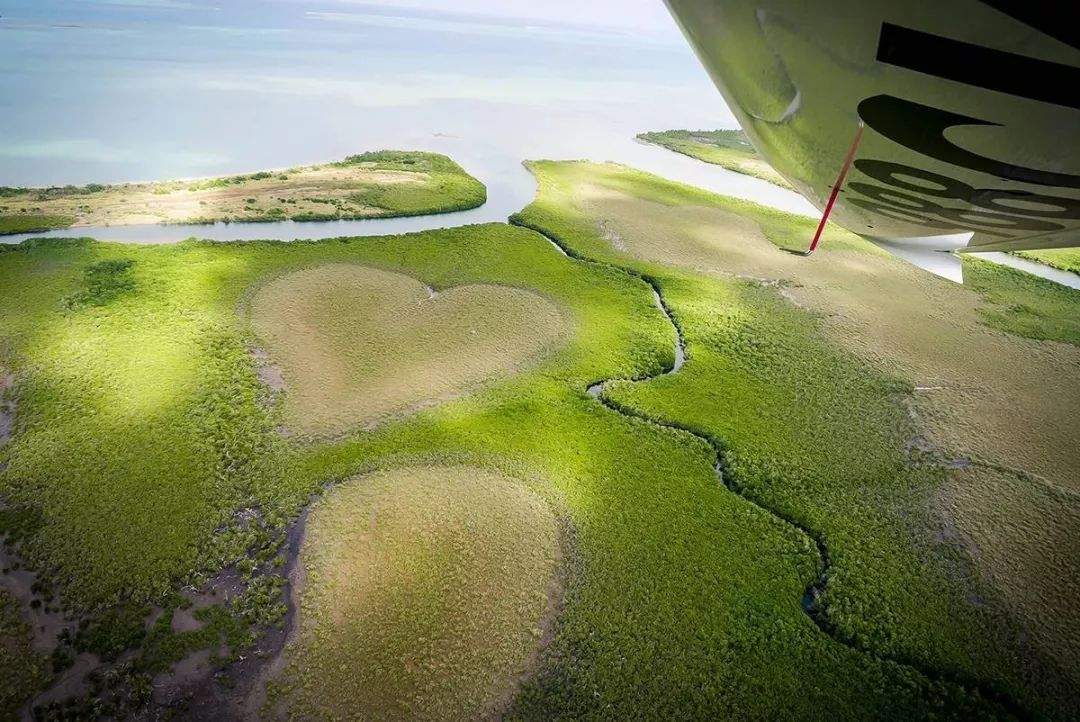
357	343
726	148
425	594
1067	259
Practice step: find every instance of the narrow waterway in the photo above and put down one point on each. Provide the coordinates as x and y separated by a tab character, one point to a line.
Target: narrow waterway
814	597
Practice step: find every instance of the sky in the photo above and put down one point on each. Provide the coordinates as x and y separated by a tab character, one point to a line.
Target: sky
646	16
110	90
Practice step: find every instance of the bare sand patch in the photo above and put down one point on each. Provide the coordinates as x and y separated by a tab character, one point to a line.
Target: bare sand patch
356	344
426	592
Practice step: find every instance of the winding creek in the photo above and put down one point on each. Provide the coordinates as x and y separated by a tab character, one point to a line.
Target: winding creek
813	597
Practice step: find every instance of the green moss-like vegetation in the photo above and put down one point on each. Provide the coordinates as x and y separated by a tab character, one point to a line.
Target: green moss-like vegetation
726	148
144	439
141	431
22	670
103	282
1024	304
1067	259
810	435
448	188
32	223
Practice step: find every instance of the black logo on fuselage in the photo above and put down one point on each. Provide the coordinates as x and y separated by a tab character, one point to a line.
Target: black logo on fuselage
921	196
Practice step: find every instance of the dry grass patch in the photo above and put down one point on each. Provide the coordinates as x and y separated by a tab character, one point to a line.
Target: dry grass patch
357	344
425	596
377	184
1024	539
993	395
705	250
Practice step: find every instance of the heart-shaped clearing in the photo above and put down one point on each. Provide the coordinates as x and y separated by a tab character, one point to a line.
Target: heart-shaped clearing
424	594
357	343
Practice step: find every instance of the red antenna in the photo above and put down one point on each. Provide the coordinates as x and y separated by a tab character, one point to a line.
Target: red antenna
836	188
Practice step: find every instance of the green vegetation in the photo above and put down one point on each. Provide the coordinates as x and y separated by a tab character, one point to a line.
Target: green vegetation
1024	304
358	344
449	187
147	455
1067	259
142	426
103	282
726	148
806	433
22	669
139	460
370	185
425	591
31	223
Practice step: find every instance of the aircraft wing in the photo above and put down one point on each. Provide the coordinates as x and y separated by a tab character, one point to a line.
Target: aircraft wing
971	110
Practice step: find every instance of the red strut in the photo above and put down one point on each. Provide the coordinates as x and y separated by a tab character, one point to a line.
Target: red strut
836	188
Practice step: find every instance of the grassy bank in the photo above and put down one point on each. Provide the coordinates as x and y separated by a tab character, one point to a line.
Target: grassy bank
726	148
1024	304
370	185
1067	259
32	223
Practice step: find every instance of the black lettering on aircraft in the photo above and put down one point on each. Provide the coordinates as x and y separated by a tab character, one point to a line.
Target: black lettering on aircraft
922	129
960	215
1059	20
913	203
909	216
979	66
1023	203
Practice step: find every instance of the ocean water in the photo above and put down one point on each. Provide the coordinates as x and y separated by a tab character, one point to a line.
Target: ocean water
154	89
148	89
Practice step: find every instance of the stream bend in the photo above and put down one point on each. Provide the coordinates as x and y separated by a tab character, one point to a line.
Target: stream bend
813	598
